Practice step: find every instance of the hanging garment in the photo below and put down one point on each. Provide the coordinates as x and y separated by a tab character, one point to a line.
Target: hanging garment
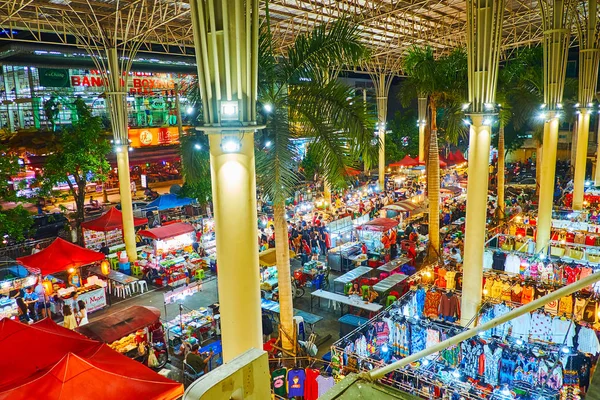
502	329
571	273
527	295
555	378
516	293
432	303
404	335
471	351
449	307
497	288
563	331
587	341
543	372
382	332
541	327
507	367
487	287
586	271
419	301
565	305
499	260
325	383
530	368
441	280
311	387
418	336
451	355
451	280
579	308
521	327
295	379
492	364
506	291
551	306
488	259
546	272
279	382
512	264
433	338
589	314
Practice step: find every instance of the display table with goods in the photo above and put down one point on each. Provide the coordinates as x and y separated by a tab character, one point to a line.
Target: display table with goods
313	274
378	235
92	294
351	301
13	277
268	279
341	281
108	228
338	258
132	331
198	324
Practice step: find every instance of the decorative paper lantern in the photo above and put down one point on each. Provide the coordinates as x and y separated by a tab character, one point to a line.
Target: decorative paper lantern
105	267
48	287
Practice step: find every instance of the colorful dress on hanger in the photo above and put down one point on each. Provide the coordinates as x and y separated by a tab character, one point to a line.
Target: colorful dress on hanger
492	364
432	303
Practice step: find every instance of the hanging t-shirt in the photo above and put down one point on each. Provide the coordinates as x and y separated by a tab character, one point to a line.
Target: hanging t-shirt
571	273
589	315
278	380
311	388
512	264
527	295
382	332
579	308
565	305
296	378
488	259
451	280
432	303
516	293
325	383
499	259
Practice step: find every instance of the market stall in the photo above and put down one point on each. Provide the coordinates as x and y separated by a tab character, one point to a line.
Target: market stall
342	257
170	245
376	235
63	363
13	277
107	228
66	260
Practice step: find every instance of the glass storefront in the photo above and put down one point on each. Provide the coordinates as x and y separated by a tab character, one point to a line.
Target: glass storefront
34	98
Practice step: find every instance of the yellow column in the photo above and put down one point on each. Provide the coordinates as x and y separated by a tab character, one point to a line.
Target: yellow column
234	201
583	129
126	208
479	154
547	175
422	109
597	170
119	121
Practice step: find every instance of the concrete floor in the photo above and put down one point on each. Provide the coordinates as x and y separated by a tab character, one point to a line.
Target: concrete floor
328	327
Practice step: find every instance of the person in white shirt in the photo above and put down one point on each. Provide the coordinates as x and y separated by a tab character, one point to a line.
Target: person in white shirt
455	256
36	249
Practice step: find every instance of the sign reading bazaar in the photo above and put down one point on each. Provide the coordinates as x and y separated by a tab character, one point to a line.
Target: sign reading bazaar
136	84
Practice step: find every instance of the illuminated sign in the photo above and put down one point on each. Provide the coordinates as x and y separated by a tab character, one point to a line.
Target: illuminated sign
136	84
145	137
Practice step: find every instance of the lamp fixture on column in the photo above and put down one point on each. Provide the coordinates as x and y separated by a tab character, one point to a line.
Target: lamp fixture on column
229	110
231	144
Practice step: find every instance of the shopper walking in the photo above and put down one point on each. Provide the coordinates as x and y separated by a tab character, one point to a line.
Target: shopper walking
69	317
82	317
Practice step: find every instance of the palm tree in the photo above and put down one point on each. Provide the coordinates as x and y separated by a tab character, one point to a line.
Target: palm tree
443	81
298	100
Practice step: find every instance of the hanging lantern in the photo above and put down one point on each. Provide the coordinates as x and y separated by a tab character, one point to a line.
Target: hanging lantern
105	267
47	287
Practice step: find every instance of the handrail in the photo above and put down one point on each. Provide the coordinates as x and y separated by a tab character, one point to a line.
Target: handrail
517	312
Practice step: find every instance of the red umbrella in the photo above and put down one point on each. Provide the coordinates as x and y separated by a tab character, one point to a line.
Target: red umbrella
458	157
407	161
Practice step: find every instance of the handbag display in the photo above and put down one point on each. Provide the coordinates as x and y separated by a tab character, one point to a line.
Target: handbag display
579	238
590	240
575	254
593	257
557	251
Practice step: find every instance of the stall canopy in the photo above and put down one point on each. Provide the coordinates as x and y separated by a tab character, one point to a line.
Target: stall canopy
450	160
403	206
111	220
167	231
167	201
267	258
60	256
62	364
379	225
352	171
458	157
443	163
121	323
407	161
27	349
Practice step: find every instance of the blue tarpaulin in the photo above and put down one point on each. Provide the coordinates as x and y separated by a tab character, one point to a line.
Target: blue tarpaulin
167	201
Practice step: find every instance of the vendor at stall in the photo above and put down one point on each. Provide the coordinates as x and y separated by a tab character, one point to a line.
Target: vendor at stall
196	361
371	295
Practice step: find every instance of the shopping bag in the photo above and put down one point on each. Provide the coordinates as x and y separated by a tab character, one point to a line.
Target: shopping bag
557	251
507	246
575	254
152	360
593	258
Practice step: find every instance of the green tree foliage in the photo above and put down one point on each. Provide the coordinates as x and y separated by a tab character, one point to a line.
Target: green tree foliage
81	154
196	167
404	138
15	221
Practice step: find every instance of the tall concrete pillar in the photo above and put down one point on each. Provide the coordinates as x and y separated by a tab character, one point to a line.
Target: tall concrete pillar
118	110
589	59
422	107
382	82
556	23
226	42
484	34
